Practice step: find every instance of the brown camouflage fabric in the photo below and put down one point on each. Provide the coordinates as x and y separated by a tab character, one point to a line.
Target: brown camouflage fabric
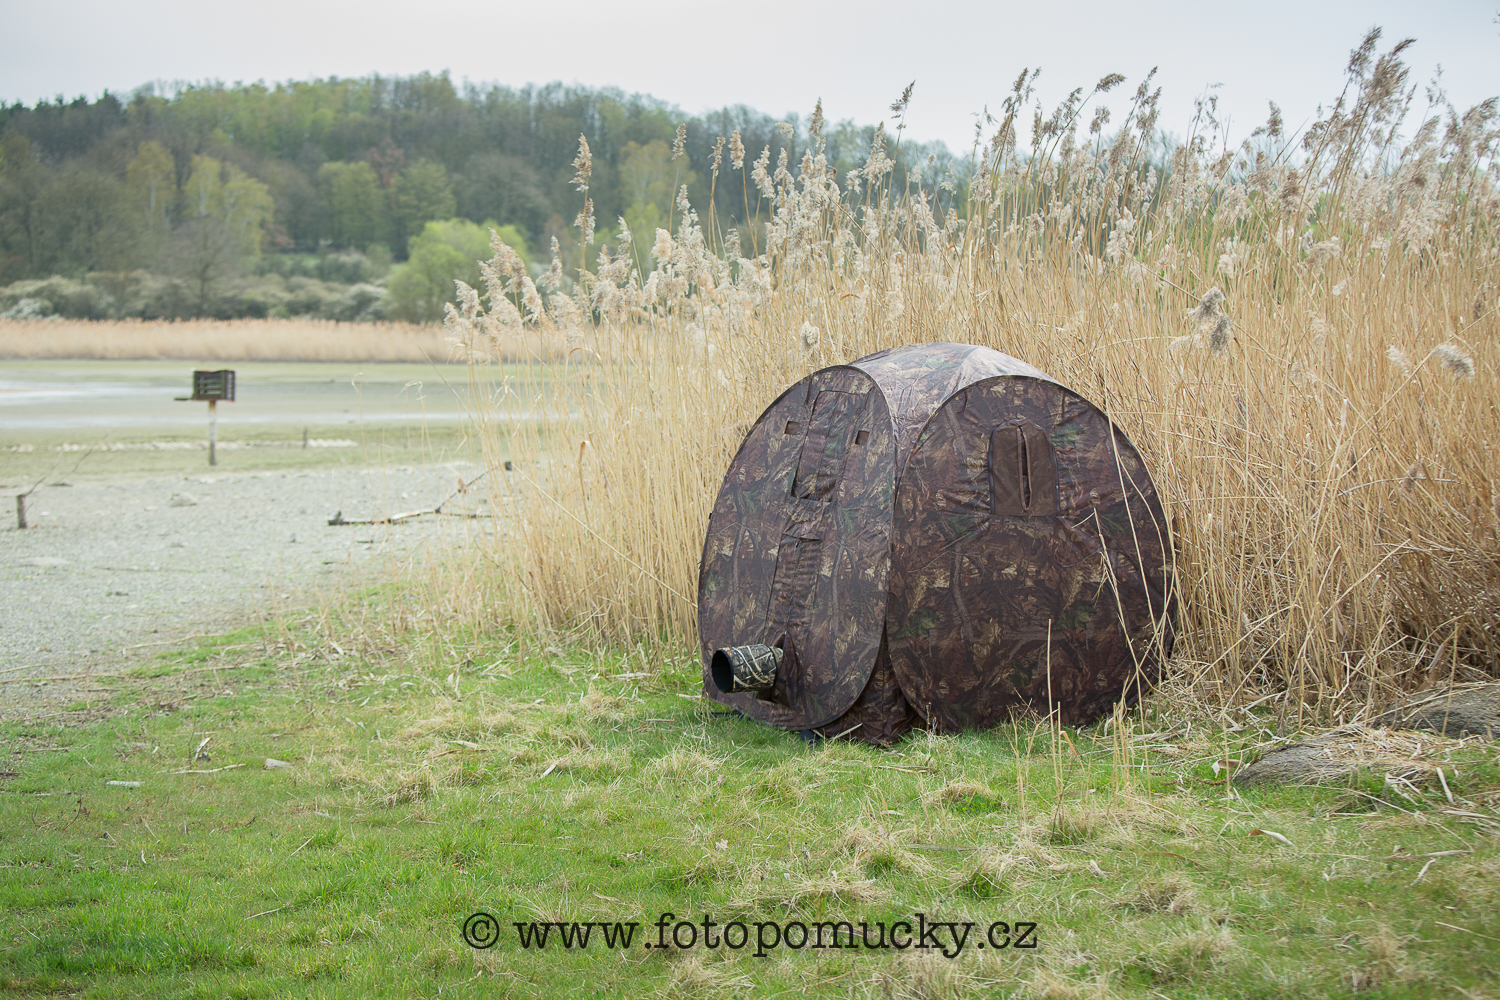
1025	523
916	530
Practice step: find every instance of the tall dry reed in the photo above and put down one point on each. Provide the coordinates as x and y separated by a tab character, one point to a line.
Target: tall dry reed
1298	332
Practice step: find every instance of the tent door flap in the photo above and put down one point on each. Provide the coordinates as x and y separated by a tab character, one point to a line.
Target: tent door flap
833	427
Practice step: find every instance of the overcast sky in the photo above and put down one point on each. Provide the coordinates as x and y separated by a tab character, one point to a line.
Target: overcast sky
774	55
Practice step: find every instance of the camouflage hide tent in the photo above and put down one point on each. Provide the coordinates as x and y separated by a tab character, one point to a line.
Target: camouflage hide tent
937	536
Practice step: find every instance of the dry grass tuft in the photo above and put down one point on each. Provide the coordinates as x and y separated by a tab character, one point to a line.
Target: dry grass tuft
960	791
877	851
990	872
1407	758
684	765
921	976
599	707
693	976
1191	954
406	786
792	892
1165	896
1046	984
1386	964
1076	824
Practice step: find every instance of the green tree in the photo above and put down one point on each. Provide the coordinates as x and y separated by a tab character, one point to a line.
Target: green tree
205	253
67	220
422	194
297	209
89	225
497	186
152	180
442	253
349	194
227	214
225	192
22	215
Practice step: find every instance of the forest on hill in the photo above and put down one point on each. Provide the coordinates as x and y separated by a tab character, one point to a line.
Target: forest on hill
353	198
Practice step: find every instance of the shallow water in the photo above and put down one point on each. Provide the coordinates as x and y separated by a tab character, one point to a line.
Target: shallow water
42	395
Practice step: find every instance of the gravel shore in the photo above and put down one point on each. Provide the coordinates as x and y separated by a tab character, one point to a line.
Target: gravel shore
110	571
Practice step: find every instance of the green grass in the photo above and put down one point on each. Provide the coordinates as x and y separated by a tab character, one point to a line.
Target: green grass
574	789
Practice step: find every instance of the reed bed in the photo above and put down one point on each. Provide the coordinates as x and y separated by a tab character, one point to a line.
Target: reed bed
1297	331
221	340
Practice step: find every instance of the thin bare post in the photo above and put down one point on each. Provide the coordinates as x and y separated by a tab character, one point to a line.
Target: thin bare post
213	430
21	524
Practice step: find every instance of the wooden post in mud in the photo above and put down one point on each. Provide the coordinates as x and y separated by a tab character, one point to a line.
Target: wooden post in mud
213	430
21	511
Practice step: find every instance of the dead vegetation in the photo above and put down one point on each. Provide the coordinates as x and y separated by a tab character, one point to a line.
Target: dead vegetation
1403	756
221	340
1302	353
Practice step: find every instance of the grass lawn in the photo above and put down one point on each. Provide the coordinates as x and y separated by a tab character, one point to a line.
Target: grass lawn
574	789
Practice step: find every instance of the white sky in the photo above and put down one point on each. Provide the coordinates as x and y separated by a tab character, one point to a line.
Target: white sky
773	55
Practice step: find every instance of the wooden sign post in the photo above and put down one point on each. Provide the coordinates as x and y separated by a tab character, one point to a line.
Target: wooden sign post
212	386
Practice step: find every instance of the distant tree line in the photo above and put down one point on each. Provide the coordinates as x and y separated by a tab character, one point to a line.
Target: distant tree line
175	201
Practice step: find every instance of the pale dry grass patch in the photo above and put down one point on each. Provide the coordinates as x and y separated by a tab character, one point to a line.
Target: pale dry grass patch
1386	962
959	791
595	762
683	765
404	785
1045	984
1191	954
694	976
762	890
1169	895
878	851
597	706
991	871
222	340
923	976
